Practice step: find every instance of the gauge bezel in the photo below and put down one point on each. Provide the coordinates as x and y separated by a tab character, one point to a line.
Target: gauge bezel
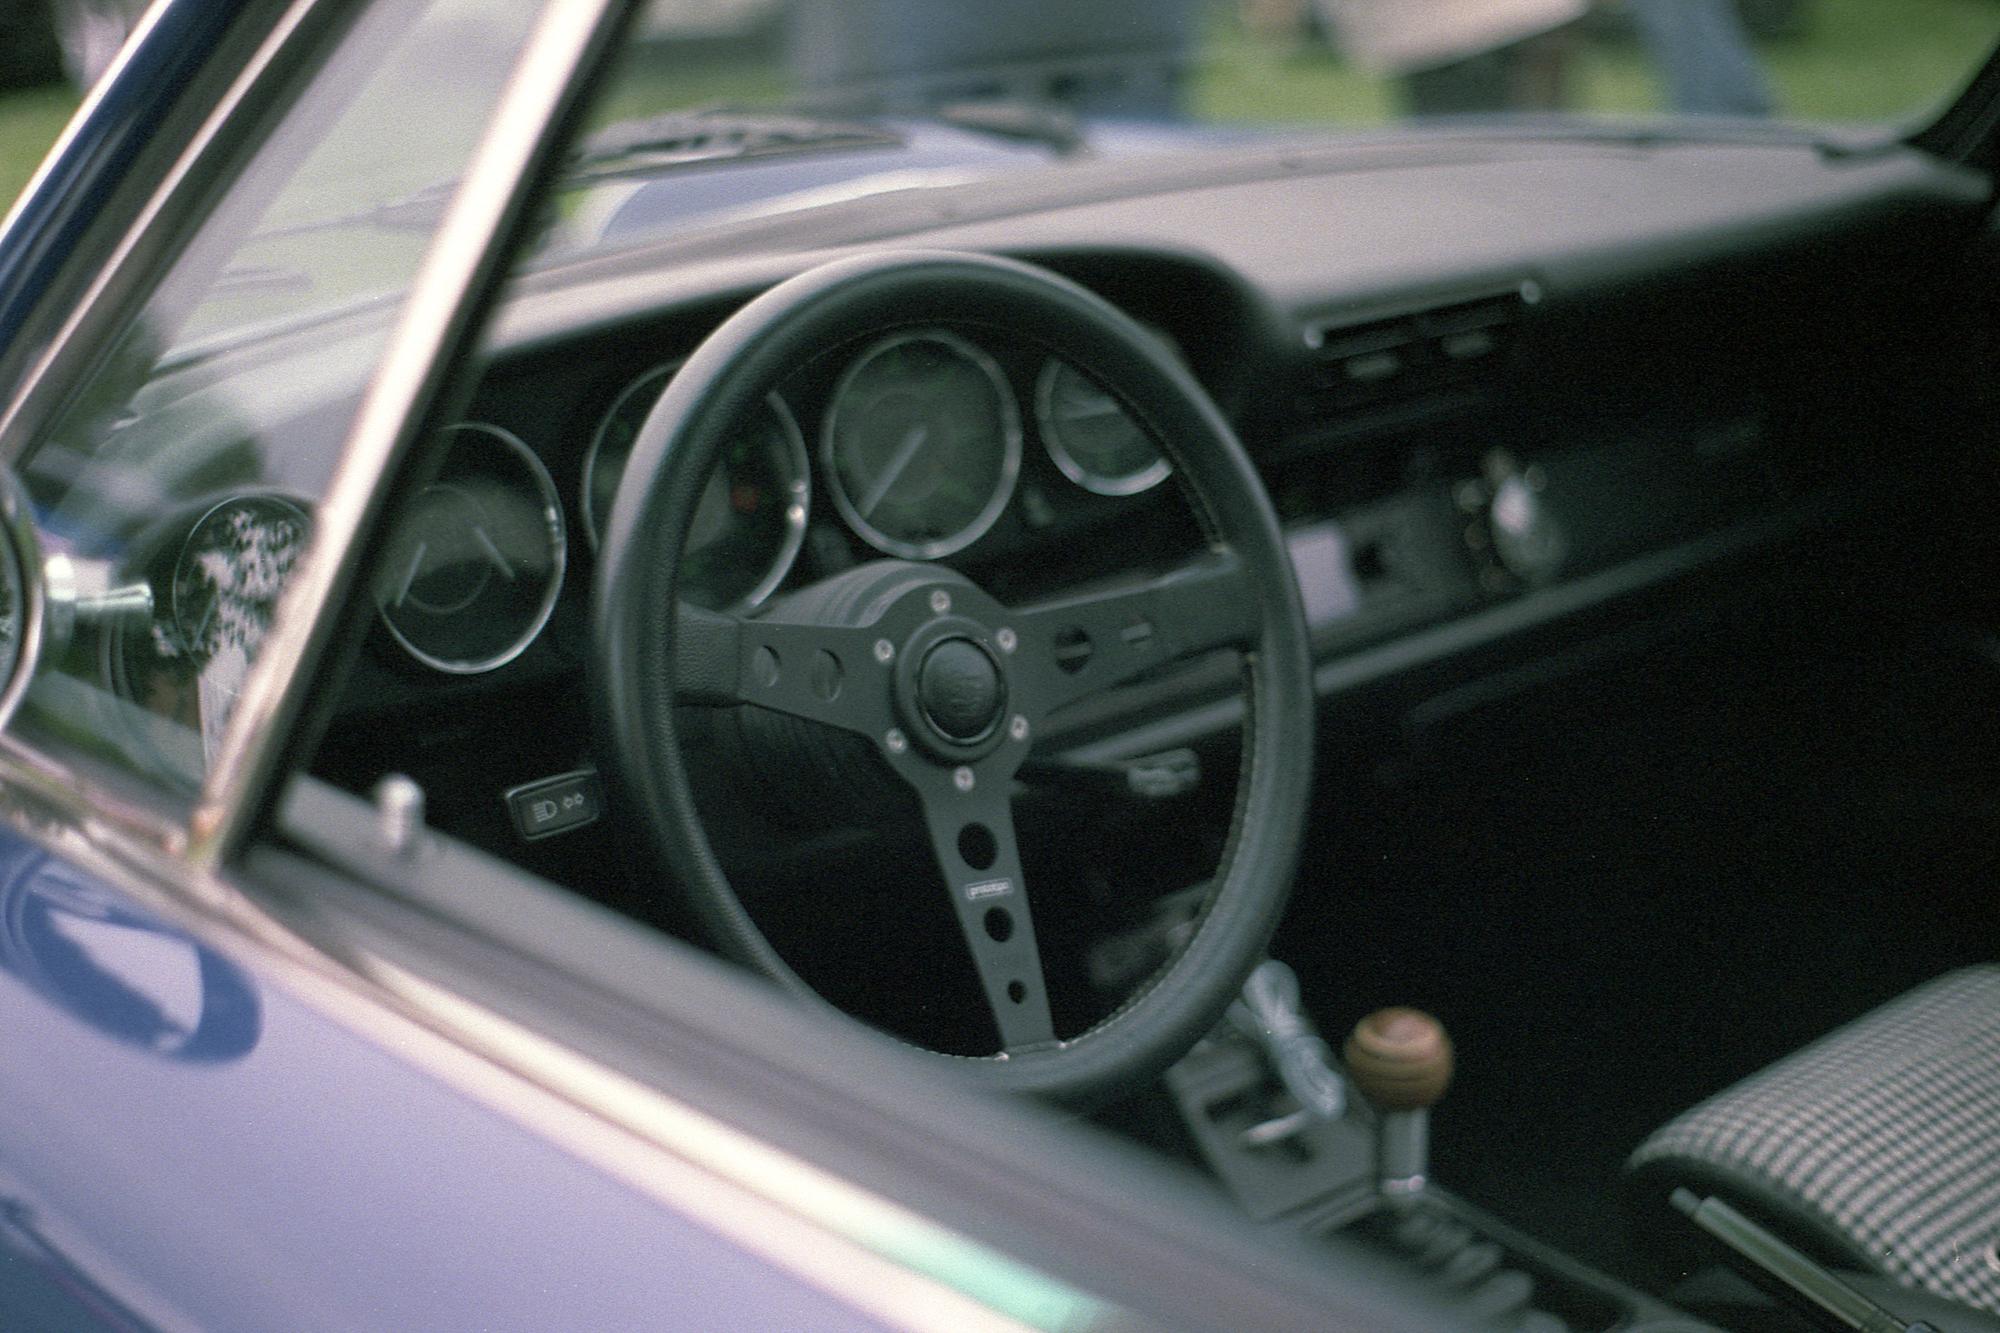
1011	446
798	504
181	553
1067	463
559	547
27	571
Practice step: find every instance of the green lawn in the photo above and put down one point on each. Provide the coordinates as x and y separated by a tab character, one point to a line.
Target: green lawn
29	123
1860	60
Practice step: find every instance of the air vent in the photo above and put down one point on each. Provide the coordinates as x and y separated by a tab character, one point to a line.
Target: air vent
1443	349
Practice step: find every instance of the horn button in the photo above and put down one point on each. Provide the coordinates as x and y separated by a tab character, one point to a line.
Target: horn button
952	688
960	691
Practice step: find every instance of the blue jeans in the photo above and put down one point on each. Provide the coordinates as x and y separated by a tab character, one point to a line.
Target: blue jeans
1704	56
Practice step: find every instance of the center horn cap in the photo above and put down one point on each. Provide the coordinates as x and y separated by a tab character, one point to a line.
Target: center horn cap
960	691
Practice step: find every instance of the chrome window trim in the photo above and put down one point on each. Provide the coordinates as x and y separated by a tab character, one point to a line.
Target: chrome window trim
49	792
155	229
14	354
92	98
467	251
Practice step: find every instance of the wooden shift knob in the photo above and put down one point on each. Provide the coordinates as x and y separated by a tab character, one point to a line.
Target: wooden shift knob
1399	1058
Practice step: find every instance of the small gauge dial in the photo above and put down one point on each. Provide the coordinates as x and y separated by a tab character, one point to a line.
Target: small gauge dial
1091	437
922	444
751	518
231	569
472	570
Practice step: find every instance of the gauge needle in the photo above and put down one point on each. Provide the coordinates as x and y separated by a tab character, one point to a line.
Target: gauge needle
200	635
410	575
487	545
1099	407
905	452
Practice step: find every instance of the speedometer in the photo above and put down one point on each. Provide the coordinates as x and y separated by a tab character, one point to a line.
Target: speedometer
922	444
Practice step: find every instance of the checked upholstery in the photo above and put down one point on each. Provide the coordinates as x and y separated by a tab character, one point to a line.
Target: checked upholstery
1877	1146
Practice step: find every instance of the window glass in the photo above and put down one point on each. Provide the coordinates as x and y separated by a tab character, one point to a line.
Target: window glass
176	488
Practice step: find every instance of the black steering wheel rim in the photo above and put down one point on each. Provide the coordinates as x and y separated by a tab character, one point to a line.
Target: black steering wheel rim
646	657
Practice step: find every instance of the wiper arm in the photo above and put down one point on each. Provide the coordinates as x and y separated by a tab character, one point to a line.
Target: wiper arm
716	134
1044	123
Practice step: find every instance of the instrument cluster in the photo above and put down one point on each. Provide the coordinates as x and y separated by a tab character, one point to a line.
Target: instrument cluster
915	442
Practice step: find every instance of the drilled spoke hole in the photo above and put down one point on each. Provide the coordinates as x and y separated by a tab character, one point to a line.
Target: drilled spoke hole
999	924
977	846
826	675
1073	649
1016	991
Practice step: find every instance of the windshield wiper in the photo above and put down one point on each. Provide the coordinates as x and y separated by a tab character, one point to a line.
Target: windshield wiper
715	134
1046	124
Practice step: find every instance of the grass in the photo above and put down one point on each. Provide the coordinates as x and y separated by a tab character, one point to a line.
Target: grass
1860	60
29	123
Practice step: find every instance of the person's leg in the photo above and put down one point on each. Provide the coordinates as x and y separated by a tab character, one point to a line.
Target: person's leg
1464	87
1704	56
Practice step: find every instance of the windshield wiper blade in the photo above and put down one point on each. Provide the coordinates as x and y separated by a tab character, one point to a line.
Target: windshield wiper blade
1043	123
717	134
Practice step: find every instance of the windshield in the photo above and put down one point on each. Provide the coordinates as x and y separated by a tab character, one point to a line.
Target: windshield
1326	62
757	107
880	96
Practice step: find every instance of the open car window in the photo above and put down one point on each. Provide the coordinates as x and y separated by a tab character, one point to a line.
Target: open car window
176	486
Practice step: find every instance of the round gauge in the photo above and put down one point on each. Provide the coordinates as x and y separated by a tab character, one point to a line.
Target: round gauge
922	444
1091	437
231	568
751	519
22	589
472	570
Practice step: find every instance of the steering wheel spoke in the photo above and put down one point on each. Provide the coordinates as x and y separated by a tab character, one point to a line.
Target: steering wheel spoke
1082	645
972	834
823	673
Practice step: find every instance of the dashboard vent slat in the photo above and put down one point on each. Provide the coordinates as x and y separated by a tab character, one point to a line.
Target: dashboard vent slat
1414	353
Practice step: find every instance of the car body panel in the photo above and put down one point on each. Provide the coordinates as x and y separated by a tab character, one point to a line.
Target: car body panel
220	1153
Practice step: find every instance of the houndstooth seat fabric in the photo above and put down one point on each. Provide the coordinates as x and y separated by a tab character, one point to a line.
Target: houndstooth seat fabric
1878	1145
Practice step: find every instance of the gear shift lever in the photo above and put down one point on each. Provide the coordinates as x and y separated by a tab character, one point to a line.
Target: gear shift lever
1400	1059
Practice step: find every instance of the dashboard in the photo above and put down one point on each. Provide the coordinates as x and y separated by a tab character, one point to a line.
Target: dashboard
1468	431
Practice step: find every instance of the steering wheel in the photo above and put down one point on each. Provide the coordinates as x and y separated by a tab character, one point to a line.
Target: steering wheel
948	685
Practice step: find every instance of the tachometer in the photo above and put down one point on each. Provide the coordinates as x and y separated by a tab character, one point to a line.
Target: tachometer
472	570
922	444
1091	437
751	519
